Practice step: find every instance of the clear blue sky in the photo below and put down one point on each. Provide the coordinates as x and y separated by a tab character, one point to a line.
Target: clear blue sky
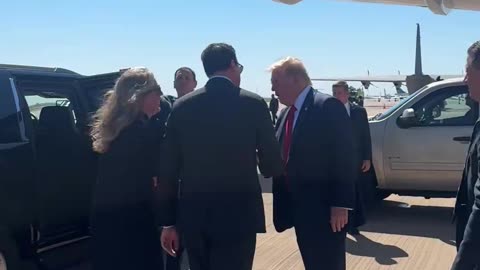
332	38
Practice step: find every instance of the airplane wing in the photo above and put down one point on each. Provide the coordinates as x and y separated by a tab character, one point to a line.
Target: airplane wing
392	78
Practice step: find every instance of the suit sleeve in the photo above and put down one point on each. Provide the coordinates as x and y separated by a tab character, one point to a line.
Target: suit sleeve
269	157
342	162
467	256
169	171
366	139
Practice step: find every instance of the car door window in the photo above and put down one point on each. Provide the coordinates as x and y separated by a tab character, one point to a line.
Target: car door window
451	106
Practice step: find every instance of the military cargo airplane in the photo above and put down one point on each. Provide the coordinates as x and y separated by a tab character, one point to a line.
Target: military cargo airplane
413	82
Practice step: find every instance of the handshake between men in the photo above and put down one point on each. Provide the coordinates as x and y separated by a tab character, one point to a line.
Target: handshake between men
213	138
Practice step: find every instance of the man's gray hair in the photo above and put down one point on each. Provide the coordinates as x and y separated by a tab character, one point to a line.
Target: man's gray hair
474	53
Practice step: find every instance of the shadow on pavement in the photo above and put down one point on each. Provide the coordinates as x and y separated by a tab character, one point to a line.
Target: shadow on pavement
383	254
392	217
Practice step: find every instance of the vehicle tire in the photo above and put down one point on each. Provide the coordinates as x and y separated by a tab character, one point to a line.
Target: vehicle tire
380	195
372	195
9	258
9	254
3	263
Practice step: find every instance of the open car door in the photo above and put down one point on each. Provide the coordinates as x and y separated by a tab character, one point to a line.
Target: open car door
93	88
67	225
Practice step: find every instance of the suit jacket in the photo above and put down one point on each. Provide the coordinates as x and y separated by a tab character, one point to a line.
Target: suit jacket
467	209
361	131
320	169
211	144
161	117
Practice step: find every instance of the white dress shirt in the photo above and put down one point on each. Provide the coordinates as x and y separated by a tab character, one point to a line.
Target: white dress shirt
347	106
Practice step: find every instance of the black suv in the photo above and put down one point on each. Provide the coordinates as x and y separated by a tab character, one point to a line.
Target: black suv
47	166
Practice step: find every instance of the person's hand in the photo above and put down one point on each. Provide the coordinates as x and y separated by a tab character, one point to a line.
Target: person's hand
338	218
170	240
366	165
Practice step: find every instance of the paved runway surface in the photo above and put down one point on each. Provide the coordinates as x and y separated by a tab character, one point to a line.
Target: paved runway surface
402	233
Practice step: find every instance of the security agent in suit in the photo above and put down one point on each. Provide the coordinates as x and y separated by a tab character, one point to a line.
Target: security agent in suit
317	188
214	136
274	108
362	152
467	206
184	82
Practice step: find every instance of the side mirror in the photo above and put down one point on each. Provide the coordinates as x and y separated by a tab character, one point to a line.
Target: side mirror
407	119
408	114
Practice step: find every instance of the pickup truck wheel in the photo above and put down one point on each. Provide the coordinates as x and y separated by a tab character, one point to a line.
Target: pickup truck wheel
9	258
373	195
380	195
3	263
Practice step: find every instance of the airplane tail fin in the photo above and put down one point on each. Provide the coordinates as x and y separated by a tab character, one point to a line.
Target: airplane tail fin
418	54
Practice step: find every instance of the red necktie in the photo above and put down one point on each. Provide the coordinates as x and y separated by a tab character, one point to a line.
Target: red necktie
287	135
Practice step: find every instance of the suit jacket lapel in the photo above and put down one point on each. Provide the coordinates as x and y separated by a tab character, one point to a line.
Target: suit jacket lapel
352	109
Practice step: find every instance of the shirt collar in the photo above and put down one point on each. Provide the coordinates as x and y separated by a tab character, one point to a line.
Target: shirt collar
220	76
301	98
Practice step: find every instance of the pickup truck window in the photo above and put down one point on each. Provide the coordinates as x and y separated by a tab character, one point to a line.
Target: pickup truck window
96	97
447	107
392	109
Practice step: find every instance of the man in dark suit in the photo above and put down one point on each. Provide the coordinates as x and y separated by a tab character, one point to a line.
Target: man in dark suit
184	82
274	108
317	189
362	152
214	136
467	207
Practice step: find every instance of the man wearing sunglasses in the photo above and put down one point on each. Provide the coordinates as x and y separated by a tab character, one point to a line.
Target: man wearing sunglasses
214	136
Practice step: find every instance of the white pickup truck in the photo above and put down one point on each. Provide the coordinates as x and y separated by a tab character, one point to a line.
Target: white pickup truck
419	145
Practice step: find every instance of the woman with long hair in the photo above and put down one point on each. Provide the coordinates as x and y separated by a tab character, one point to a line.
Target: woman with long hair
124	231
